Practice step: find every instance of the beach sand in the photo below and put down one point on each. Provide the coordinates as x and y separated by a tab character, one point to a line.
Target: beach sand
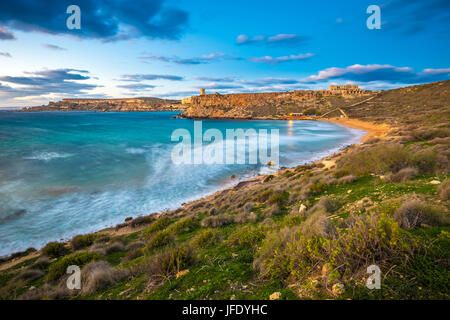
373	130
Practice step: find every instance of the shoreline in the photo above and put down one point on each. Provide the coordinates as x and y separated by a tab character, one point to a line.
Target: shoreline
372	131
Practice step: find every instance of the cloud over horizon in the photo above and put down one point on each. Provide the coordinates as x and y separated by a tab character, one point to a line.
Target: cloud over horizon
105	20
276	60
282	39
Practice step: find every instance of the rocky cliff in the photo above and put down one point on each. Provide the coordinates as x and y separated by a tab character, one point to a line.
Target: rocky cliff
134	104
267	105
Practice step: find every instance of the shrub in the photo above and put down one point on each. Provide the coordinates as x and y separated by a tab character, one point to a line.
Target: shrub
245	217
217	221
379	158
184	225
426	160
171	261
58	268
158	225
414	213
42	263
133	254
444	190
206	238
99	275
116	246
403	175
248	207
82	241
30	274
367	239
135	245
248	236
279	198
318	224
347	179
55	249
142	220
317	188
160	239
327	204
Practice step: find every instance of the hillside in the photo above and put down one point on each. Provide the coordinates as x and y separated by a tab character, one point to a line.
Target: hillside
269	105
134	104
308	232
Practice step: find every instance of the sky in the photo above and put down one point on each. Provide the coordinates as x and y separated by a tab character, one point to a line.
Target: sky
172	48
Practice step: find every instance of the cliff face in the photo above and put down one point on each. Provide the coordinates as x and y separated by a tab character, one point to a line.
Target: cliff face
267	105
135	104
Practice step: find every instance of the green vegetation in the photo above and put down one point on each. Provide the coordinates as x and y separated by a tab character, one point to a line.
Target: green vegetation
308	233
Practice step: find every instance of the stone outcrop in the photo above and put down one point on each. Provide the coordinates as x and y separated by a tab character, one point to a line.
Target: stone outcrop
268	105
134	104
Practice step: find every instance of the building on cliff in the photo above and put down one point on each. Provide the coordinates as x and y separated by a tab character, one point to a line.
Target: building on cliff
346	89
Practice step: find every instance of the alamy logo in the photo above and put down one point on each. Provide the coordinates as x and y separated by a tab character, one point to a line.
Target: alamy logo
373	21
74	20
74	280
240	146
374	280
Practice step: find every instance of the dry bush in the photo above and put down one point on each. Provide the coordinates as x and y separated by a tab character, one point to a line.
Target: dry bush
444	190
347	179
99	275
272	210
134	245
217	221
170	261
133	254
116	246
98	247
42	262
245	217
30	274
213	211
142	220
425	160
414	213
318	224
403	175
325	203
248	207
379	158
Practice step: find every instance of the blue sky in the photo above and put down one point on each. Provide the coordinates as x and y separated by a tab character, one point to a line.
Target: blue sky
169	48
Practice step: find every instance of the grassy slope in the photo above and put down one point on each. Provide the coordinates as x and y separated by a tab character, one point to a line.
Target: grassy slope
234	250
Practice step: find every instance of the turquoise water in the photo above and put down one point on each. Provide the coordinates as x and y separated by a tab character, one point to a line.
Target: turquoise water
67	173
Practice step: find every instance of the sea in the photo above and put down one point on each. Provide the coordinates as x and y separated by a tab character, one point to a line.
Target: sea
69	173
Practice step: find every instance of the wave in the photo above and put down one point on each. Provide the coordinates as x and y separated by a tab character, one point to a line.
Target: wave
48	156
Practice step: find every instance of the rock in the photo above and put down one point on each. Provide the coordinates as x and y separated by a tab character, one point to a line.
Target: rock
275	296
234	255
182	273
349	191
435	182
128	219
233	297
302	209
338	289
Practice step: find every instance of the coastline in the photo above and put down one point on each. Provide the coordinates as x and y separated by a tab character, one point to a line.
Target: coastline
372	131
